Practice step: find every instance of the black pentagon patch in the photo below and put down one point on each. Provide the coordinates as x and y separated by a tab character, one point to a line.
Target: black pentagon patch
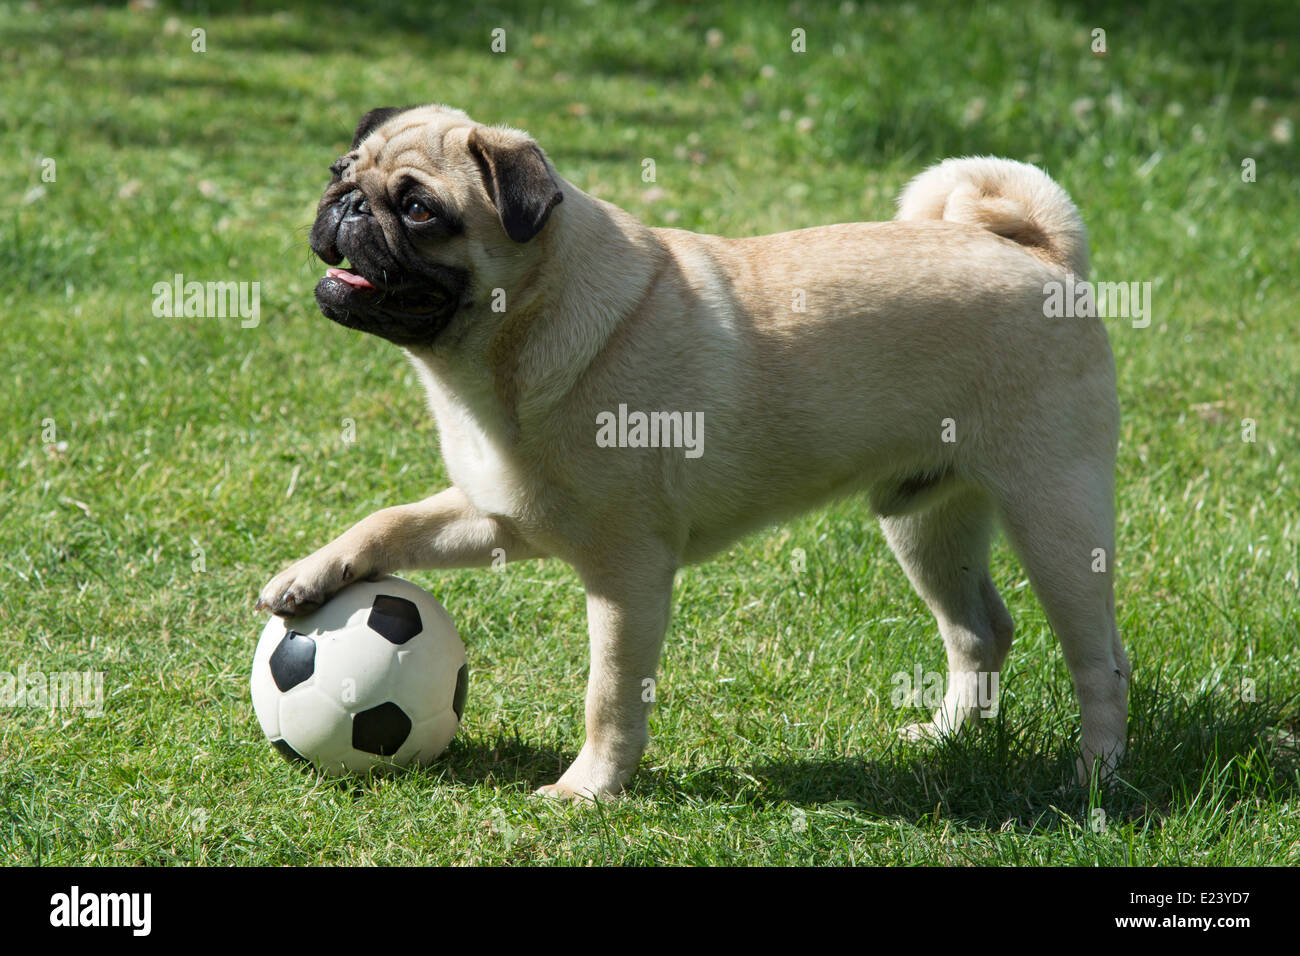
293	660
287	752
462	690
395	619
380	730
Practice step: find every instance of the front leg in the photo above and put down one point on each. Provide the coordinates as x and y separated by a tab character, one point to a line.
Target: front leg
444	531
628	602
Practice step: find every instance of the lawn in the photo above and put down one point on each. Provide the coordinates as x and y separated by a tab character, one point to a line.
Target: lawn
154	471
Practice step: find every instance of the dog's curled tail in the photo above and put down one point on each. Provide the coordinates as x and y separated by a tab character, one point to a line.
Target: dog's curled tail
1014	200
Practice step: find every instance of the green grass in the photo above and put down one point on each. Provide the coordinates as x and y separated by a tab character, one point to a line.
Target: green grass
774	734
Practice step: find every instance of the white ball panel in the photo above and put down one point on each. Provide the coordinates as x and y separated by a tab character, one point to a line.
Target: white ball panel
430	737
355	667
314	725
424	678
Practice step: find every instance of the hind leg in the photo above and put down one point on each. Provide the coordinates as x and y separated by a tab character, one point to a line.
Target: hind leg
1062	526
945	552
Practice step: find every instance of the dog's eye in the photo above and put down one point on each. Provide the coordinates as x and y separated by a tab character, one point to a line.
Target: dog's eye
417	211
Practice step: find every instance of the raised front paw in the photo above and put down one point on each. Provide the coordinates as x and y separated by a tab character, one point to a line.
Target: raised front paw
306	585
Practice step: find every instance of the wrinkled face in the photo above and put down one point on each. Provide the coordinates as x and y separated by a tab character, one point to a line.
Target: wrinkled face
415	207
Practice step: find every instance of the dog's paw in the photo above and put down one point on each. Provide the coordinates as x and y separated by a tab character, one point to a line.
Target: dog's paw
1103	769
588	779
306	585
917	733
564	793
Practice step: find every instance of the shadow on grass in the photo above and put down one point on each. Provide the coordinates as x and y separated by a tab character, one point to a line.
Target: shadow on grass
1183	752
1210	34
667	46
502	761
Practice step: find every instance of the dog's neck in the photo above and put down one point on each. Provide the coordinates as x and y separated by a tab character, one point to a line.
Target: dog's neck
602	262
597	263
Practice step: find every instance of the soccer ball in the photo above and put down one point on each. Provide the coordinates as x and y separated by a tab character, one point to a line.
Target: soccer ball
374	677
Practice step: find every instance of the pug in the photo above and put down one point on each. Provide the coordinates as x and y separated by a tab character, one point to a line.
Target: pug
631	399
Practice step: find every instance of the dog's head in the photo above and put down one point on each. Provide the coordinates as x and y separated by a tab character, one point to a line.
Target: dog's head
432	212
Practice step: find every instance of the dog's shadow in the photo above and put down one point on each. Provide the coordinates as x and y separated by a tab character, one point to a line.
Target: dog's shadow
1020	775
504	760
1012	773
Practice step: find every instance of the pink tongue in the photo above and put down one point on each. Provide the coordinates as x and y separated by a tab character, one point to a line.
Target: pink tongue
344	276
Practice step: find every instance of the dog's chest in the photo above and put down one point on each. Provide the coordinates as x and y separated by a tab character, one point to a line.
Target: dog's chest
481	467
473	436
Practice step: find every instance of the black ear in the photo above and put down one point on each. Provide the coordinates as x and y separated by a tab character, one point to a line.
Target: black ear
517	179
375	118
